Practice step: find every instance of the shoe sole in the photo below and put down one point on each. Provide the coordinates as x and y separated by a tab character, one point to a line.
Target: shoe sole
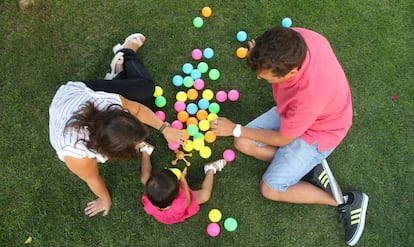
361	225
336	190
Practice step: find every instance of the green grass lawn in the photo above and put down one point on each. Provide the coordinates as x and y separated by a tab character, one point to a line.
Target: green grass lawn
56	41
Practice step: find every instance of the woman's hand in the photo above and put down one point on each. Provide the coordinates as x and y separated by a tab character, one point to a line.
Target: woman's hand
97	206
222	126
174	135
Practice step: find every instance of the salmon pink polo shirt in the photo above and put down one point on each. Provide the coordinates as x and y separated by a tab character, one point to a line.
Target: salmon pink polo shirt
316	104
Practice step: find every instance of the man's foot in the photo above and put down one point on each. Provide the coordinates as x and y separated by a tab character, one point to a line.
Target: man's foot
133	41
352	214
117	65
322	176
215	166
145	147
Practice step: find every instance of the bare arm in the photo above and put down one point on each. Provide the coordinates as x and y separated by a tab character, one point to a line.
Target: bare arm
87	170
186	188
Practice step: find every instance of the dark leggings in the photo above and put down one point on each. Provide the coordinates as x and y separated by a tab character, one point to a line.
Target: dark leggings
134	82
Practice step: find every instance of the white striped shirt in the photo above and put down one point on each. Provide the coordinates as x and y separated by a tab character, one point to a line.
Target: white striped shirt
68	99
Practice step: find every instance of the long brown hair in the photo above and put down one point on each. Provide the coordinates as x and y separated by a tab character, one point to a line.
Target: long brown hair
112	132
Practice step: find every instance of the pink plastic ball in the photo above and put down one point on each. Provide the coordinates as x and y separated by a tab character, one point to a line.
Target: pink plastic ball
177	124
221	96
179	106
173	145
197	54
198	84
213	229
160	115
229	155
233	95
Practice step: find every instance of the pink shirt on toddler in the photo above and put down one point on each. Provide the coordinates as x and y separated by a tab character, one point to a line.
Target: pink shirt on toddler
178	211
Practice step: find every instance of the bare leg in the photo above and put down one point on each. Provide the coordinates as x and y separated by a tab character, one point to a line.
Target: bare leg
250	148
146	167
301	193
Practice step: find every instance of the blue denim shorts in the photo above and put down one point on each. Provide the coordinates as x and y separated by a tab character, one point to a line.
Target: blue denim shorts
291	162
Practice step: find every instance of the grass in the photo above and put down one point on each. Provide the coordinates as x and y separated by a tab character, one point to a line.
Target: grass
57	41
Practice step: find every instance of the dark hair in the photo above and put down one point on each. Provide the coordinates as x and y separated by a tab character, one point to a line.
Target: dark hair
278	49
112	132
162	188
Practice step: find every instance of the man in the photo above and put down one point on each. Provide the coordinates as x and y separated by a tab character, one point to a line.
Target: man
313	114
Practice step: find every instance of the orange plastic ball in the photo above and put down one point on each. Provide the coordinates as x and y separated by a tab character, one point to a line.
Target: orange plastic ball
192	120
210	137
192	94
187	136
202	114
206	11
241	52
182	116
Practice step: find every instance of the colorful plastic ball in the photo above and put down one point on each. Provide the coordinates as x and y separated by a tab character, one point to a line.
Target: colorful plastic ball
221	96
210	137
158	91
204	125
192	129
192	94
197	54
230	224
203	104
177	124
205	152
202	114
229	155
198	22
208	53
214	74
202	67
241	52
160	101
192	120
212	116
198	144
199	135
187	68
207	94
199	84
206	12
188	147
214	215
286	22
213	229
241	36
214	108
188	81
177	80
160	115
179	106
195	74
233	95
173	145
182	116
177	172
192	108
181	96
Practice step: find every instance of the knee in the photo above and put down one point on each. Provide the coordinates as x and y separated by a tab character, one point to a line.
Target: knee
242	144
269	193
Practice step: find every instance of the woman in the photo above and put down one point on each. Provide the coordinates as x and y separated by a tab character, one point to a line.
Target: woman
96	120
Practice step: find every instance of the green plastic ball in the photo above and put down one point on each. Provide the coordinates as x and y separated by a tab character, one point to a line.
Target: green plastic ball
230	224
198	22
214	108
160	101
214	74
202	67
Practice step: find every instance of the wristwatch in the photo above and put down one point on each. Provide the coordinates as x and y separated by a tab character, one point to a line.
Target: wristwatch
237	130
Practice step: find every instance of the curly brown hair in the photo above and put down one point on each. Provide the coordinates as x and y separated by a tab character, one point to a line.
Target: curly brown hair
162	188
112	132
279	50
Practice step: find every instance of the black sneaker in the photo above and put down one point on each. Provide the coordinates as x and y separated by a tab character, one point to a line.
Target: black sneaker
352	214
322	176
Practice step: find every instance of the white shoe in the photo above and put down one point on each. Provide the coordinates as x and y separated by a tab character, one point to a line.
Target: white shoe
146	147
137	36
118	59
217	165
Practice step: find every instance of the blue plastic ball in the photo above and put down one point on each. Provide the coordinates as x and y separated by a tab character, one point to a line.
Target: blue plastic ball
286	22
177	80
241	36
192	108
208	53
203	104
195	74
187	68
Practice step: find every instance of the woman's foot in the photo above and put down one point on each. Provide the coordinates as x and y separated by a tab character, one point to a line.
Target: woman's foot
133	41
215	166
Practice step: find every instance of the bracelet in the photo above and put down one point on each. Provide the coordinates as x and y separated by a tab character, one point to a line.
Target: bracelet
163	126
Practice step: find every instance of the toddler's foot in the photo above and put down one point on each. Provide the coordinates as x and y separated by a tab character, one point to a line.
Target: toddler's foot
215	166
146	147
133	41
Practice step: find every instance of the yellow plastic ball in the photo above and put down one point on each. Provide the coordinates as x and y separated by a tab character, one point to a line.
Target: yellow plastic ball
177	172
158	91
205	152
181	96
204	125
214	215
208	94
212	116
198	144
188	146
